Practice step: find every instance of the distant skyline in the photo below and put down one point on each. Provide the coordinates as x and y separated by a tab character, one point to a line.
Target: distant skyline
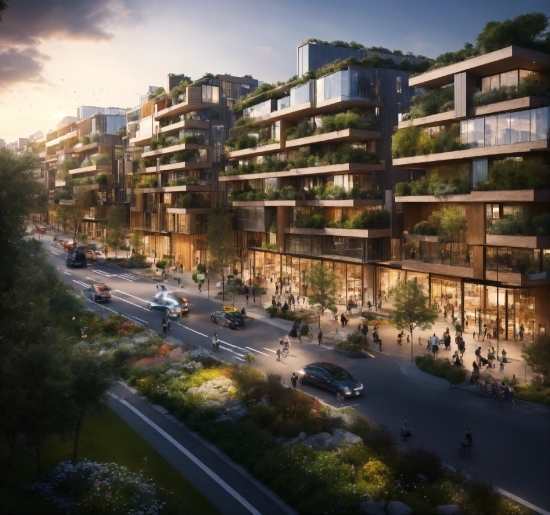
56	55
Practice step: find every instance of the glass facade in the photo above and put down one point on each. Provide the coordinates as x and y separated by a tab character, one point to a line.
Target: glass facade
347	84
301	94
506	128
211	94
259	110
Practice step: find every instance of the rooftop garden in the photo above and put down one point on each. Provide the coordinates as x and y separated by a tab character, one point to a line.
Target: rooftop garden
520	225
512	174
528	87
344	154
192	200
352	119
416	141
432	102
432	186
246	135
329	192
374	219
525	30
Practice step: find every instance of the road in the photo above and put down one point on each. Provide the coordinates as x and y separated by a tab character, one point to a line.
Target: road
512	444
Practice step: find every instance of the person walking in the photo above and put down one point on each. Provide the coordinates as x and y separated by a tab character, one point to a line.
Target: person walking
434	340
294	380
246	297
200	286
164	325
168	326
278	354
254	295
320	336
215	342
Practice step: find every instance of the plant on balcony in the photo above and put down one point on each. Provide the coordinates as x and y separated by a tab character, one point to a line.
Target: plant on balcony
334	192
352	119
434	185
85	140
192	200
159	91
95	137
189	139
184	156
147	181
449	222
415	141
424	228
372	219
101	179
302	130
61	194
528	87
146	162
520	225
101	159
273	227
517	175
269	246
349	154
432	102
307	220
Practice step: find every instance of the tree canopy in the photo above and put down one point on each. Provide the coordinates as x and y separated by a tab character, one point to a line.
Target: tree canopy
411	308
323	283
219	238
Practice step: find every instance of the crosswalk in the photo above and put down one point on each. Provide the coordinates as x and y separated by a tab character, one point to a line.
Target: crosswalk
125	276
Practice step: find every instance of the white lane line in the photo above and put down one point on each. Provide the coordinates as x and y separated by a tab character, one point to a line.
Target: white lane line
129	295
80	283
258	351
521	501
240	359
136	318
101	272
231	345
124	277
274	352
67	273
128	302
189	455
232	351
192	330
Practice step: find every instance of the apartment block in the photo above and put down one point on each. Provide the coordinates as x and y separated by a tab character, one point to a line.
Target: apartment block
477	225
177	140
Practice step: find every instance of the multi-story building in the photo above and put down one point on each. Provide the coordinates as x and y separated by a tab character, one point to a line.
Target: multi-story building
83	157
309	175
180	136
477	226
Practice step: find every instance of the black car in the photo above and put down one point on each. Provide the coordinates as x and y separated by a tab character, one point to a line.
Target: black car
330	377
171	303
233	320
76	258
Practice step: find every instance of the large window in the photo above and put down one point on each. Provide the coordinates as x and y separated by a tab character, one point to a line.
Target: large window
347	84
211	94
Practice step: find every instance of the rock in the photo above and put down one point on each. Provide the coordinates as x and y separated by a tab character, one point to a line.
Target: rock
317	441
398	508
449	509
233	411
342	438
373	508
211	404
420	478
293	441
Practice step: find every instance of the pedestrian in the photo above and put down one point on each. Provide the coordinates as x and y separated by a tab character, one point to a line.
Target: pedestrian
200	286
434	340
157	287
254	295
164	325
294	380
215	342
246	297
468	437
474	335
320	336
343	319
278	354
168	326
277	289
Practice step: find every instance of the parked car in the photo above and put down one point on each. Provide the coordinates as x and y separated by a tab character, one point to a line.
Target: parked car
76	259
233	320
171	303
331	377
98	292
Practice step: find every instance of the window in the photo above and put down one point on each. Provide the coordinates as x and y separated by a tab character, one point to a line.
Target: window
211	94
399	86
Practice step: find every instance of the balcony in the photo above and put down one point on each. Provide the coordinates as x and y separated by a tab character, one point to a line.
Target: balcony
525	242
184	165
60	184
345	135
173	149
254	151
193	102
347	233
482	196
185	124
88	169
188	211
308	203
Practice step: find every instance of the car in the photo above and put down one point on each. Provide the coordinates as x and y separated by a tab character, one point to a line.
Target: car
76	259
233	320
331	377
93	255
171	303
98	292
66	244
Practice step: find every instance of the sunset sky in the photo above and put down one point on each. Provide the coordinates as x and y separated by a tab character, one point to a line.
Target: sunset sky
56	55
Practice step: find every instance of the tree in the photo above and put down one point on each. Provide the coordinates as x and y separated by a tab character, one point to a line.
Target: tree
136	241
525	30
451	220
221	246
115	224
412	308
89	382
323	283
537	356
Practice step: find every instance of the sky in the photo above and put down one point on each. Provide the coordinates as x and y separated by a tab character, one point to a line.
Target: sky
56	55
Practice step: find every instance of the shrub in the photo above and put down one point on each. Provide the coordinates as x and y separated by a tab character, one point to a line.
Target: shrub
418	461
161	264
304	330
517	175
441	367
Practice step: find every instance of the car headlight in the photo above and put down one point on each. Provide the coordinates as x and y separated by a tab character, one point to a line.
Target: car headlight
346	389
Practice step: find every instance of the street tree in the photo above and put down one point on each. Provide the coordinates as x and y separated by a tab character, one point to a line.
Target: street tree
220	241
537	356
90	378
136	241
411	308
323	283
115	225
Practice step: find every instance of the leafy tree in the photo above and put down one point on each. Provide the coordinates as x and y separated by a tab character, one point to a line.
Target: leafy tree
525	30
89	382
136	241
537	356
412	308
219	235
323	283
451	220
115	224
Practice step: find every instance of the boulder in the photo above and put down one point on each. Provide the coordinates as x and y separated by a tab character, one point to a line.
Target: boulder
449	509
211	404
342	438
317	441
398	508
293	441
233	411
420	478
373	508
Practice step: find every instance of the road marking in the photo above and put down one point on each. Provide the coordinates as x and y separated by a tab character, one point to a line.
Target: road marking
136	318
81	283
258	351
189	455
101	272
274	352
130	295
127	277
66	273
192	330
128	302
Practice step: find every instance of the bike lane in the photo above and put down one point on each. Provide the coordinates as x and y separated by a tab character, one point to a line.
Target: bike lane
226	485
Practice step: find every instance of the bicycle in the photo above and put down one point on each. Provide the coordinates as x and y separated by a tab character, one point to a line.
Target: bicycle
285	352
483	389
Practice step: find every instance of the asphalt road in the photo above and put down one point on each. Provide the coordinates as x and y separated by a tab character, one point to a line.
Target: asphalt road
512	444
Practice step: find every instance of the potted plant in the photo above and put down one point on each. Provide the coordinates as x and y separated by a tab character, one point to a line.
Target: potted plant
161	266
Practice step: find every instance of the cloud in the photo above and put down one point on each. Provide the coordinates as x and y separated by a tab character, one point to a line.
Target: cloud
26	22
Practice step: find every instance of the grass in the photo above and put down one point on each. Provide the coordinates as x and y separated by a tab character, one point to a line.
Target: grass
441	367
104	438
532	393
